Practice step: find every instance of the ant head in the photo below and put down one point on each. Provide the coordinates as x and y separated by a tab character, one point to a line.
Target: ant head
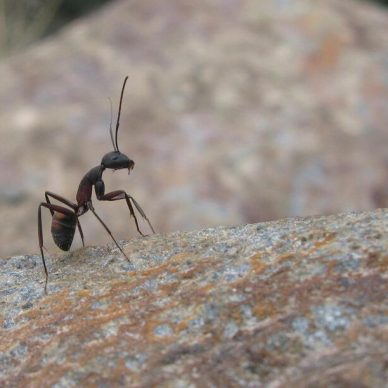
115	160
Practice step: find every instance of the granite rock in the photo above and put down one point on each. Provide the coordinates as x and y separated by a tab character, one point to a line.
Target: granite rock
299	302
236	112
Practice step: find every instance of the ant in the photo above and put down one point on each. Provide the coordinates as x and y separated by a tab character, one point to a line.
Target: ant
65	220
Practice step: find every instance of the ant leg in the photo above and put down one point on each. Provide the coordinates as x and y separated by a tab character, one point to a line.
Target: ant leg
40	237
90	206
59	198
65	201
80	232
121	194
52	208
141	211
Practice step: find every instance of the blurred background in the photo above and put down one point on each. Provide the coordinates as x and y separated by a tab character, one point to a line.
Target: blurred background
236	111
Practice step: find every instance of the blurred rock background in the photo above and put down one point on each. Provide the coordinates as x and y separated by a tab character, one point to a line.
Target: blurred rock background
235	111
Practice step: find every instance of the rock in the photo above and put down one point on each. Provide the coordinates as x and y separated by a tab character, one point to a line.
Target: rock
296	302
236	112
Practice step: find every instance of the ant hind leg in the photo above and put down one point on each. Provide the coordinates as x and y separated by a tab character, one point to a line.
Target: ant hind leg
52	208
65	201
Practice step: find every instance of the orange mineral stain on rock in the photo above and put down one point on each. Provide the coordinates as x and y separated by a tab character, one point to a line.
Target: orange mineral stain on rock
257	264
264	310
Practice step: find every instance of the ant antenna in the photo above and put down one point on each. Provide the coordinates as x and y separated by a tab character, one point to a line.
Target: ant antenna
118	116
110	125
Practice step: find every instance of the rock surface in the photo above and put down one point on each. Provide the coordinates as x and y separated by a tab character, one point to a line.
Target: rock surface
298	302
236	112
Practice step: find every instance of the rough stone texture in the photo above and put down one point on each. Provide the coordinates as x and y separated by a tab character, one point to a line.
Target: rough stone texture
296	302
236	112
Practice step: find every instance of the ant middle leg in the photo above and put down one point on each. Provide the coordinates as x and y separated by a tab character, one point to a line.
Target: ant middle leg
91	208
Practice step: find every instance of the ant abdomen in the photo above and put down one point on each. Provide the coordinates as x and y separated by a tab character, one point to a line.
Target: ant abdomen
63	229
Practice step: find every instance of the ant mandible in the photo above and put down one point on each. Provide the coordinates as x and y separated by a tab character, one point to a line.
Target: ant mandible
64	220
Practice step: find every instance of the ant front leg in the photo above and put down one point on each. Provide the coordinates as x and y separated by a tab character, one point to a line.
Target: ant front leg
65	201
52	208
121	194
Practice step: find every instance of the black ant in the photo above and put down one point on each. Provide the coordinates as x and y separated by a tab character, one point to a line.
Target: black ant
64	220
